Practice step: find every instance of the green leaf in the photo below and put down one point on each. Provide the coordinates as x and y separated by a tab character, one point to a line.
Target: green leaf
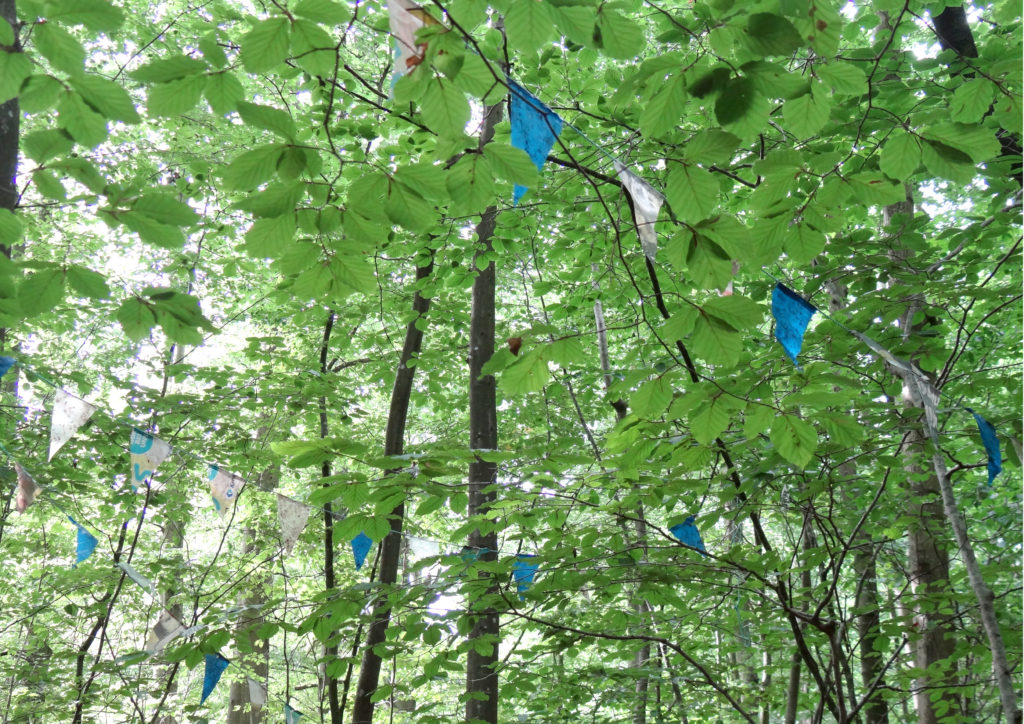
978	142
529	373
41	146
665	108
165	209
106	97
712	145
871	187
757	419
577	22
769	34
794	439
212	52
821	26
167	69
711	419
709	265
353	274
947	162
268	237
741	108
152	232
845	79
6	33
692	192
512	164
48	185
175	97
322	11
652	398
223	91
445	108
566	352
41	291
11	228
407	208
901	155
87	282
40	93
715	341
971	100
807	114
266	45
425	178
804	244
313	48
620	36
97	15
471	185
59	47
267	118
529	25
14	68
738	311
252	168
82	123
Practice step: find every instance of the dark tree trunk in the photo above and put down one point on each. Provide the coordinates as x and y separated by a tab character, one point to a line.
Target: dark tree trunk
10	119
394	444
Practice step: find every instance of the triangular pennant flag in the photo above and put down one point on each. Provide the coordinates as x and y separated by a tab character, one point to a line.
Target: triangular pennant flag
257	693
423	548
290	715
140	580
27	488
523	571
688	534
167	628
534	129
147	453
646	204
215	665
405	18
361	545
991	443
225	488
792	314
292	516
69	414
86	542
5	365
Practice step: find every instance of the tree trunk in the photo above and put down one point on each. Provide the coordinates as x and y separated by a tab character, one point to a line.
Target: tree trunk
481	674
10	127
394	444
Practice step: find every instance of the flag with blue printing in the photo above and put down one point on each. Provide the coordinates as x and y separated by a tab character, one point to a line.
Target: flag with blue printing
688	534
225	488
147	452
534	129
215	665
361	545
991	443
792	315
85	542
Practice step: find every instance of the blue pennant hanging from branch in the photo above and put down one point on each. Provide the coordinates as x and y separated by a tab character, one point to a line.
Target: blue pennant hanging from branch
85	544
991	443
291	716
688	534
792	314
215	665
523	571
5	365
534	129
361	545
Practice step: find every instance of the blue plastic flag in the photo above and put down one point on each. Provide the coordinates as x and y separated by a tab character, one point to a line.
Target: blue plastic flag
5	365
215	665
991	443
534	129
523	571
688	534
792	314
361	545
290	715
86	542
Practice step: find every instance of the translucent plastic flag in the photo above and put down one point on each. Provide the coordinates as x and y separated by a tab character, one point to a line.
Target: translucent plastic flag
991	443
792	314
688	534
224	487
5	365
215	665
147	453
523	571
646	204
290	715
27	488
257	693
292	516
166	630
423	548
69	414
140	580
86	542
361	545
534	129
405	18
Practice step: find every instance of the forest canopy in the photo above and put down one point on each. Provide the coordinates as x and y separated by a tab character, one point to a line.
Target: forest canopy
524	361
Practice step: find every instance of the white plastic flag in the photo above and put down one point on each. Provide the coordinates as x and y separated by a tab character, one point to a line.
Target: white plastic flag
225	487
69	414
423	548
166	630
292	516
27	488
405	18
147	453
646	205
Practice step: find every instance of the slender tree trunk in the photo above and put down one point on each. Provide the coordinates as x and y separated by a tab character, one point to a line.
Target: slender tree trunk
10	128
391	548
482	658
